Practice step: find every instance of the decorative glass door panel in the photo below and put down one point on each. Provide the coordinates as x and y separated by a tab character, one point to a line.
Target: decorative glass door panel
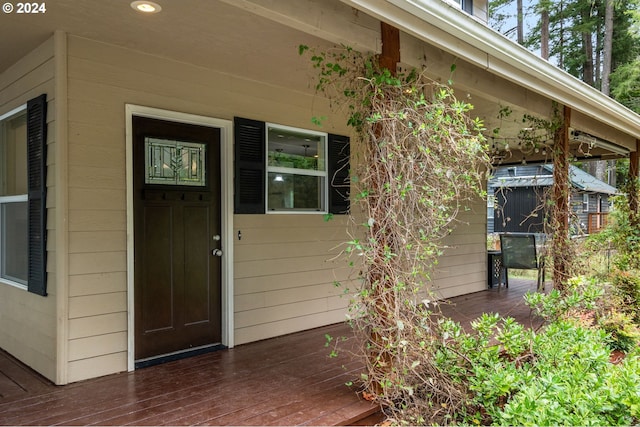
174	162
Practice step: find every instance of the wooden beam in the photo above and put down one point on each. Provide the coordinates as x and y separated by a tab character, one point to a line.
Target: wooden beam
382	363
390	55
561	192
634	161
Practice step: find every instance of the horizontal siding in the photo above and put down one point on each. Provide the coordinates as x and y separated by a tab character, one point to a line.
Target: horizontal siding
97	366
466	288
286	267
463	267
97	345
95	305
272	267
28	321
97	262
30	84
250	285
287	326
97	199
246	302
290	264
97	326
98	283
96	241
97	220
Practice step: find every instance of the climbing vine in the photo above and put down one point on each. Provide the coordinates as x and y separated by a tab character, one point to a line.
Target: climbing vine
542	140
420	160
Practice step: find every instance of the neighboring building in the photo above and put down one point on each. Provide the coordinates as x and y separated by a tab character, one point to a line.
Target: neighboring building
160	221
518	194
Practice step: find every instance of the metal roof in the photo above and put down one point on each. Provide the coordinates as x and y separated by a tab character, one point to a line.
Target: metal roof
578	178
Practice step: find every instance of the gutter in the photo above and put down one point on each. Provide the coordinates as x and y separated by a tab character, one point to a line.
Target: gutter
450	29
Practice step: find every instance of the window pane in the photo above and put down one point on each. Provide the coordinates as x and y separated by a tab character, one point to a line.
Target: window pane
293	149
13	155
14	250
174	162
299	192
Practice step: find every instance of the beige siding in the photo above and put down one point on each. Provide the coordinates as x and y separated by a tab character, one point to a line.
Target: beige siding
28	321
285	266
97	366
284	279
481	10
463	267
285	272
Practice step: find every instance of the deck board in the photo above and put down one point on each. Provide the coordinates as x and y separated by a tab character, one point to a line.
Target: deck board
289	380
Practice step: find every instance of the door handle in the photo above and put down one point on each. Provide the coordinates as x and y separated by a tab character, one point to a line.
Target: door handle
216	252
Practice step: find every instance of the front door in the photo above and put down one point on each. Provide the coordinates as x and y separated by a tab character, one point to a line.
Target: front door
176	236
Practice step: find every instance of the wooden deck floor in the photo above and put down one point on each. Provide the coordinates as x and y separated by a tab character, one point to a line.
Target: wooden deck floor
509	302
287	380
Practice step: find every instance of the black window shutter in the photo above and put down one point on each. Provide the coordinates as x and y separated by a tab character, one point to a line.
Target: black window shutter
37	199
249	147
339	153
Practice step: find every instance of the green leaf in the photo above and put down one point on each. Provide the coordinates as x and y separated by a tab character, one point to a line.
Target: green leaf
318	120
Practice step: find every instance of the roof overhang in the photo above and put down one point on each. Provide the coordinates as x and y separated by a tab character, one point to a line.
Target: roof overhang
447	27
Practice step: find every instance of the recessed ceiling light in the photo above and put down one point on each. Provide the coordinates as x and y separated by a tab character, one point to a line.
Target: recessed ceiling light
146	6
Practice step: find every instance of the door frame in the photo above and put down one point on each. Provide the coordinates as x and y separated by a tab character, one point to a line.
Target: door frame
226	214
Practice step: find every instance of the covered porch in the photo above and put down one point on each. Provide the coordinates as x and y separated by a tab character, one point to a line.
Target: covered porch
288	380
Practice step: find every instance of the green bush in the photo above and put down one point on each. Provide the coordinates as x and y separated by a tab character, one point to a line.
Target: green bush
623	334
560	375
572	382
627	290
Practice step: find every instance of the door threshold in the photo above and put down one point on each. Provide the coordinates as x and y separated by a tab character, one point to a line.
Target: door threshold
177	355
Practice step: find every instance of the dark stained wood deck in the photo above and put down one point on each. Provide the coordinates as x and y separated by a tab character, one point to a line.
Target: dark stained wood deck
509	302
288	380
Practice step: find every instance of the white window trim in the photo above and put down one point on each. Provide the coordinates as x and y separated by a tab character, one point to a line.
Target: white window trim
3	200
13	112
307	172
10	199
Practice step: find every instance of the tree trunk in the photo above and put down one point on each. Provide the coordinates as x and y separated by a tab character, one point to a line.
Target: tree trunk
601	170
613	179
587	46
607	48
520	22
544	31
561	37
587	68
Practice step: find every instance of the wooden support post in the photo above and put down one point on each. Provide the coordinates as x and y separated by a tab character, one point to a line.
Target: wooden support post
383	363
390	55
561	192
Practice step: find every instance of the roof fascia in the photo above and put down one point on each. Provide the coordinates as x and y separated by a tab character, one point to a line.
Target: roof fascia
450	29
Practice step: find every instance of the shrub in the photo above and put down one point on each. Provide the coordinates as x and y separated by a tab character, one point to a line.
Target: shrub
560	375
573	383
623	334
627	290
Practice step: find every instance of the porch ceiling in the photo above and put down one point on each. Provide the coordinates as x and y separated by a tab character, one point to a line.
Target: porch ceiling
203	33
